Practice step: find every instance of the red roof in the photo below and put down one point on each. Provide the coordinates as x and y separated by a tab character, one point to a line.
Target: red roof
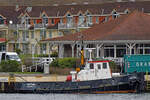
134	26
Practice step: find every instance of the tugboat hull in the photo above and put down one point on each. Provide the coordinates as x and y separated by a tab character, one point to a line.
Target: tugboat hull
122	84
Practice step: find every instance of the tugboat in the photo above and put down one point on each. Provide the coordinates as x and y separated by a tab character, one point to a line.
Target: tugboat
92	77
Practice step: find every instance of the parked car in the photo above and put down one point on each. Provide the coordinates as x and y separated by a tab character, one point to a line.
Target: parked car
9	56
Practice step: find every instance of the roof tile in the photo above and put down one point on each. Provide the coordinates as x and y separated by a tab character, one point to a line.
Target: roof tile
133	26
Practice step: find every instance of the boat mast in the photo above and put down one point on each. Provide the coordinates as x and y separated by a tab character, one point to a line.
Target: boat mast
82	54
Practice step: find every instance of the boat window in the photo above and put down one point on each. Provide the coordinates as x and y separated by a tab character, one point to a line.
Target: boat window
91	66
104	65
99	66
7	57
3	56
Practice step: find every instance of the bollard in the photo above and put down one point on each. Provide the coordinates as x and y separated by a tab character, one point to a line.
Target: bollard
46	68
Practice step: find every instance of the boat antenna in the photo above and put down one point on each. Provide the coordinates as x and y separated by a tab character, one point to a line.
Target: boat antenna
90	53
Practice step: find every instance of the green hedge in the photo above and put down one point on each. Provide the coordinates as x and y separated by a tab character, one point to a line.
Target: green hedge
54	54
73	62
10	66
64	62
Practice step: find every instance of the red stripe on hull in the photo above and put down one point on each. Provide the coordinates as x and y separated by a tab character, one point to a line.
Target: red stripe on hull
98	61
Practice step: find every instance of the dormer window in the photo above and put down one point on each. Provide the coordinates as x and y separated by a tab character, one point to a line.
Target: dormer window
97	19
52	21
1	20
69	20
114	14
45	19
27	19
126	11
68	15
87	13
89	18
81	19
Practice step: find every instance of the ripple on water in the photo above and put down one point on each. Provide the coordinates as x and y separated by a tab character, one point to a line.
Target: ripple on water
143	96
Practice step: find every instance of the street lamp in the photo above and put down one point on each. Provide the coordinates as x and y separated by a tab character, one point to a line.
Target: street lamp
10	22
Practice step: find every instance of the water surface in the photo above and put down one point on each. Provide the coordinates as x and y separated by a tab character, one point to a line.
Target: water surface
143	96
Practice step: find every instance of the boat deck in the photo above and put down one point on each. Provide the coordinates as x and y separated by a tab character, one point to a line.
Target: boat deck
34	78
40	77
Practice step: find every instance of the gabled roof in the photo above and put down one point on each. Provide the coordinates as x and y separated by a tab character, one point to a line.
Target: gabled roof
134	26
10	13
107	8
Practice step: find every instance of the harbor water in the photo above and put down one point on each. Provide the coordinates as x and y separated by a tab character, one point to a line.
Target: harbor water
143	96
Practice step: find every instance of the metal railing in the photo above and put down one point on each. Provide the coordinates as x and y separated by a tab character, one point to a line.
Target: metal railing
3	25
40	26
37	62
73	25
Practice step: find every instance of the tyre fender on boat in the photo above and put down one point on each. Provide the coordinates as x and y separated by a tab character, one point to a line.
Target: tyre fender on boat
137	80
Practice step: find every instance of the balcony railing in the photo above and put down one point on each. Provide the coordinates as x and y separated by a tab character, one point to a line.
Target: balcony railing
23	26
20	40
73	25
19	26
12	26
41	26
3	25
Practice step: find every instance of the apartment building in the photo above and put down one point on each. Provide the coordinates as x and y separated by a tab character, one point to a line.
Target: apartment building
29	25
39	23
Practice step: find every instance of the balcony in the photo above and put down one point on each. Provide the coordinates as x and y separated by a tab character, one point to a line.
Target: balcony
20	40
3	26
73	25
23	26
26	26
40	26
12	26
66	26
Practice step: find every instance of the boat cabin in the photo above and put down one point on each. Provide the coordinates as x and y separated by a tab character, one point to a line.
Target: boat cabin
95	70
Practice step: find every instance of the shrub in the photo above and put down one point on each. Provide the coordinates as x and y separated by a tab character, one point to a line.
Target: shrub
60	71
64	62
18	51
43	55
10	66
27	61
54	63
54	54
25	58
